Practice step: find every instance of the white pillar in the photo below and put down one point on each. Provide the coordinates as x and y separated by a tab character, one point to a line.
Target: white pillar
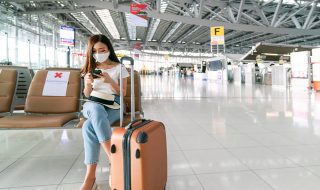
29	52
39	43
45	56
15	61
7	46
54	46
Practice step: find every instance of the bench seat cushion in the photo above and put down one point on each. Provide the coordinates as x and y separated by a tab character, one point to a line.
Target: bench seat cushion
35	121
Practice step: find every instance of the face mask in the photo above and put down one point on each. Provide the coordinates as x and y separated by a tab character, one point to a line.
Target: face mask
101	57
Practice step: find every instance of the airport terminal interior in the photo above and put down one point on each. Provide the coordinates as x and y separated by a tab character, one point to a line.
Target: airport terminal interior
236	84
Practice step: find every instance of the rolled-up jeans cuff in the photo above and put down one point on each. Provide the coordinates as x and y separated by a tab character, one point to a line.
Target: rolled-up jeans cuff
91	163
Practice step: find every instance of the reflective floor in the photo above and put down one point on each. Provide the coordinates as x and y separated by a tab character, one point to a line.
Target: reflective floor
220	137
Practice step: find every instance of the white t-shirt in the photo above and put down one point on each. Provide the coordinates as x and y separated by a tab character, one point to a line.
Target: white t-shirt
114	73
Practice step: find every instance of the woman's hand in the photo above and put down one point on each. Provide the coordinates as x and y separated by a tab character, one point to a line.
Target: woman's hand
88	80
105	77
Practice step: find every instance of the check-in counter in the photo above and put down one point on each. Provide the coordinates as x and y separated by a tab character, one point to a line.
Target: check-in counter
200	76
279	75
249	74
267	79
237	75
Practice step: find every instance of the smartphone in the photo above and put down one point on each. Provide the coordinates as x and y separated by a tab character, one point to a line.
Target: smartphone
96	72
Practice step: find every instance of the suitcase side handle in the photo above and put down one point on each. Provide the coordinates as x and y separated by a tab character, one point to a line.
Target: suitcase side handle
138	122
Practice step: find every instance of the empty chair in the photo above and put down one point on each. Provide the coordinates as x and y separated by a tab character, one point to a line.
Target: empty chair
47	111
63	69
8	83
23	83
70	69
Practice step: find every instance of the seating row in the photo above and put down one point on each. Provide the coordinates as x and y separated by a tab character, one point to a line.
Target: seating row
52	111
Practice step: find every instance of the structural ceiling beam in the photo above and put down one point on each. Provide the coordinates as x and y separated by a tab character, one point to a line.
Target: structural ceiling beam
260	12
296	22
240	10
276	13
217	14
26	1
63	10
293	14
200	8
306	23
230	13
202	22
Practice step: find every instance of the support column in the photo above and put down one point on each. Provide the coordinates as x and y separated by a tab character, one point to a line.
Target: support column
15	61
54	46
29	52
45	56
39	44
7	46
68	57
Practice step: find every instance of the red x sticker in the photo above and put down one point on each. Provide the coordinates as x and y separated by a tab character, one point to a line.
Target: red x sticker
58	75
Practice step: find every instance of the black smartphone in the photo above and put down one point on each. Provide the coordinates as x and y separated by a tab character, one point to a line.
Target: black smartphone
96	72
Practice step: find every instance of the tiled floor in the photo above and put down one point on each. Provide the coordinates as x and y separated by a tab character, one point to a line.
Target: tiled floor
220	137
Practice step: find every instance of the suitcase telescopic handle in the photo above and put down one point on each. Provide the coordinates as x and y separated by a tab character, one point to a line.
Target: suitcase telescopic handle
129	59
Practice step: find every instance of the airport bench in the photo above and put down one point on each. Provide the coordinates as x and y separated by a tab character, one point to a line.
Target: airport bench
23	83
8	85
47	111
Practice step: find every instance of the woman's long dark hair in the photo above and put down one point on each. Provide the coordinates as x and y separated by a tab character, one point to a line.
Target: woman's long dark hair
90	61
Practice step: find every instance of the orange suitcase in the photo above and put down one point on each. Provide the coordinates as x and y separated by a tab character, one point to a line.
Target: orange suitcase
138	153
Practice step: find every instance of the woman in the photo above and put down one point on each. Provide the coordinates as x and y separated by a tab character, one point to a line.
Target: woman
96	130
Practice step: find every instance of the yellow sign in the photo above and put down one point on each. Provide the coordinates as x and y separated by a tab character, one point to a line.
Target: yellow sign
217	35
217	31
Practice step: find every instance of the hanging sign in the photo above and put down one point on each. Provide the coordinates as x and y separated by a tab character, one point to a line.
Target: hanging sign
138	14
67	36
217	35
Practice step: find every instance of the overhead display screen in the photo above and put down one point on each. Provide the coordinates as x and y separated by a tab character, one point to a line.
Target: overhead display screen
67	36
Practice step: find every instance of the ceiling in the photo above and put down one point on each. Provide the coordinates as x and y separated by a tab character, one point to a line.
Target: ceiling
184	25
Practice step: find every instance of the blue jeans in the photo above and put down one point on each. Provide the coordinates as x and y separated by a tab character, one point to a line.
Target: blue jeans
96	129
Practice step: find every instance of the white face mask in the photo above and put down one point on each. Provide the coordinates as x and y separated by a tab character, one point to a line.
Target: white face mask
101	57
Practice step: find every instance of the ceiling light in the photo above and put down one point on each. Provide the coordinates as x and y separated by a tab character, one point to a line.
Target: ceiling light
108	22
172	31
163	6
131	29
84	20
154	26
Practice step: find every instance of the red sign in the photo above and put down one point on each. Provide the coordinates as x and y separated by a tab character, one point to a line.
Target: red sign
137	46
139	10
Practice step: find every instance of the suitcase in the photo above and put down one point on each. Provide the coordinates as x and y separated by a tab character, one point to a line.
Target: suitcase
138	152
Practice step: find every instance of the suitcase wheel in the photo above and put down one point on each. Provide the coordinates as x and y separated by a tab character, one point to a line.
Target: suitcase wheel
142	137
113	149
